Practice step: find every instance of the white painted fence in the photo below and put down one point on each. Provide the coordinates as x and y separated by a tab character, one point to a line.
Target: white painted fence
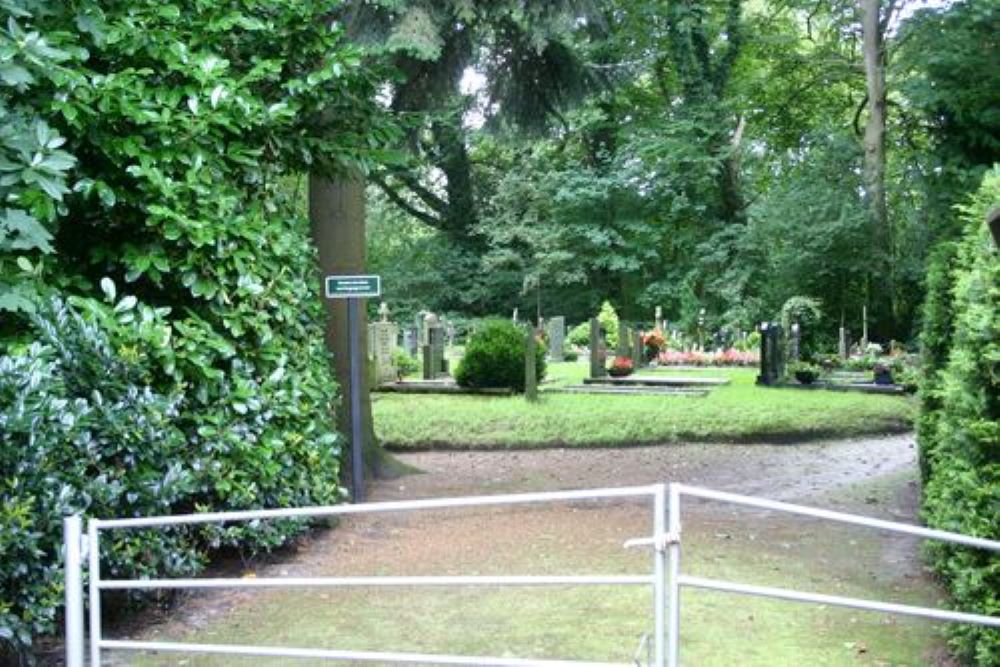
665	580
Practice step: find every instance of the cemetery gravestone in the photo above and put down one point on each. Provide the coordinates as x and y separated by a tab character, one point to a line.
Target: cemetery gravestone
382	337
530	372
410	342
794	341
637	350
431	352
597	361
437	362
624	341
421	328
557	337
772	363
842	346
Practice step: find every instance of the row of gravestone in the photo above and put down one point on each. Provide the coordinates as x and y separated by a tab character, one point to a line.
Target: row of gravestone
773	356
429	339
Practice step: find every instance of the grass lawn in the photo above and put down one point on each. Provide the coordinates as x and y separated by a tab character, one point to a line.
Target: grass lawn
738	412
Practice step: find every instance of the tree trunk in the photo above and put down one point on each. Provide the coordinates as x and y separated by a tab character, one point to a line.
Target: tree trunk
337	224
874	161
730	183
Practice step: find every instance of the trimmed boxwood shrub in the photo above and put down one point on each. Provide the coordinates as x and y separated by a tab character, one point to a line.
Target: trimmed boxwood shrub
960	429
494	357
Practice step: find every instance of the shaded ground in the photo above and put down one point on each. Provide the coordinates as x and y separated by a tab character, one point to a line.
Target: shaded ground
874	476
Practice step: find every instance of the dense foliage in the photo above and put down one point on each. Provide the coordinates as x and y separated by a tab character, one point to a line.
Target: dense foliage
83	430
717	165
960	422
148	151
494	357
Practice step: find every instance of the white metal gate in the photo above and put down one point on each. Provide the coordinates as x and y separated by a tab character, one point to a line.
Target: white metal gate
665	579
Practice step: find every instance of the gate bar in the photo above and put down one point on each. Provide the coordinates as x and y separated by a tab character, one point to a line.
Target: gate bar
843	517
837	600
354	582
391	506
333	654
73	577
94	570
659	572
674	593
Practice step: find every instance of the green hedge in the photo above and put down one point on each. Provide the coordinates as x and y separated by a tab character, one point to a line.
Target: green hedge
85	427
494	357
960	425
158	144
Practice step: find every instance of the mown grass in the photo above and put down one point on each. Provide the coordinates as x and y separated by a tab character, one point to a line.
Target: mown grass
738	412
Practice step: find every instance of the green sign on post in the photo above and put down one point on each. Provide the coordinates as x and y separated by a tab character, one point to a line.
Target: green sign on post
353	287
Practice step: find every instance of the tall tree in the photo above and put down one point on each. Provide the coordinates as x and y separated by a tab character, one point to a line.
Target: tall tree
875	16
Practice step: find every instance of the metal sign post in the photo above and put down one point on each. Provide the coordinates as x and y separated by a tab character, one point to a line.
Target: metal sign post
354	288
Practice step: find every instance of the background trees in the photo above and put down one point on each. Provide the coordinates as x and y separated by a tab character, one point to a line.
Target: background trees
719	163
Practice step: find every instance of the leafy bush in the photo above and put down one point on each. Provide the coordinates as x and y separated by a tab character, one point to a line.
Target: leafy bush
609	324
405	364
579	335
808	313
85	428
960	426
608	318
494	357
805	373
180	129
570	353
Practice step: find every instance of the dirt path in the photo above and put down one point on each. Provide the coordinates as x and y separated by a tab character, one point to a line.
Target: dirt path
874	476
783	472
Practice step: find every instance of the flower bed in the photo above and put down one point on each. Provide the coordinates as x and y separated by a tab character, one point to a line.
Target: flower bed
730	357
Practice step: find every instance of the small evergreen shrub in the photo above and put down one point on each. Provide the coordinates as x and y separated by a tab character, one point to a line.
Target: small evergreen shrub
804	372
579	335
405	364
494	357
808	313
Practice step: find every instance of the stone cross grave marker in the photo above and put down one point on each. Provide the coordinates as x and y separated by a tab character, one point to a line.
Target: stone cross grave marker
557	337
382	336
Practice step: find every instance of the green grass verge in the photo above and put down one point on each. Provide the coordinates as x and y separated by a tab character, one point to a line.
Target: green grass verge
738	412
